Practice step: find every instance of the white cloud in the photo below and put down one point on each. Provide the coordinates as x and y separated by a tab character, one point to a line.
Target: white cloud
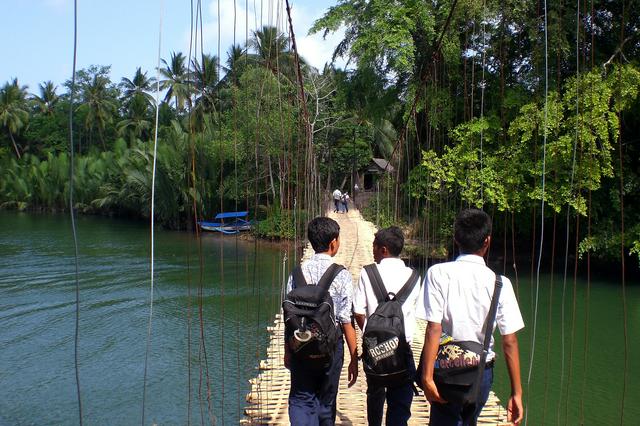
59	5
313	48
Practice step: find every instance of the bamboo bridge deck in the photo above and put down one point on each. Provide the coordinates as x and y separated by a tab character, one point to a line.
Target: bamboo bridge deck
267	401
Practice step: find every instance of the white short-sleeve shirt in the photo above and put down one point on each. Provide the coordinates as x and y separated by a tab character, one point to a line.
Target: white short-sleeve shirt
394	274
458	294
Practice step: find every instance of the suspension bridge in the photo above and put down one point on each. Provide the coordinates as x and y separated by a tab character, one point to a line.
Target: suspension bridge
267	400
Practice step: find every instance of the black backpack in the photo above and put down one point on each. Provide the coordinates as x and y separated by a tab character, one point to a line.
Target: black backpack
385	351
310	325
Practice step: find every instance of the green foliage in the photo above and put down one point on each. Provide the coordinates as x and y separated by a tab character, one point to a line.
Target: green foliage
280	223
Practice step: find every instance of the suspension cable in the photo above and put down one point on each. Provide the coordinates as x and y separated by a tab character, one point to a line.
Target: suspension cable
152	235
542	203
76	339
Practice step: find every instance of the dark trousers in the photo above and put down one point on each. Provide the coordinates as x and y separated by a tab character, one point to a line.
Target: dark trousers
337	204
398	400
453	414
313	394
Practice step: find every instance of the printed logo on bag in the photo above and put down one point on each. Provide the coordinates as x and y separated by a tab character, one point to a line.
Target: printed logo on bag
453	356
384	349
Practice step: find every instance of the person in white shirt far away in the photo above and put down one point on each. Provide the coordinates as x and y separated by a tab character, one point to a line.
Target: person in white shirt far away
337	199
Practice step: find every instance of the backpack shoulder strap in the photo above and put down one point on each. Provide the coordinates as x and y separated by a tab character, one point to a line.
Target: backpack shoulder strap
488	324
376	283
298	277
408	287
329	275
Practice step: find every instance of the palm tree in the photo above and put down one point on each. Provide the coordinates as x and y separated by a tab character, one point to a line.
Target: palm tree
205	81
98	105
176	80
139	86
237	59
137	125
271	47
13	109
48	98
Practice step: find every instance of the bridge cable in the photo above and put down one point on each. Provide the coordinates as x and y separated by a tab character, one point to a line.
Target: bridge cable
152	234
542	203
72	213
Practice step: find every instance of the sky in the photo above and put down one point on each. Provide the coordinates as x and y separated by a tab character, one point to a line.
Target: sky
36	36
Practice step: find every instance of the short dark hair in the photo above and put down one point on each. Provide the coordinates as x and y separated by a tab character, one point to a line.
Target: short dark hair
391	238
321	231
471	228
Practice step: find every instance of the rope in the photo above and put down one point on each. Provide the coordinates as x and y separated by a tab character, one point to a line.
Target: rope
152	237
542	203
482	86
573	165
76	338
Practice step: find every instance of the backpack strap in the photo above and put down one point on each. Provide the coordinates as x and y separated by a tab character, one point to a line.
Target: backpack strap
408	287
298	277
488	324
329	275
380	290
376	283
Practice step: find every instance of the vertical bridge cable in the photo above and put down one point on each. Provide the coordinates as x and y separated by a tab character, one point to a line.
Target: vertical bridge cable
482	86
566	249
544	161
76	339
152	235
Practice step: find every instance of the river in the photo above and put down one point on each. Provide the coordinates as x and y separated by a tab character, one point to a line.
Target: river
235	285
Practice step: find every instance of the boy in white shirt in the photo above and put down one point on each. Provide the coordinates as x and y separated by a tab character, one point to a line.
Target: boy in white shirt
457	297
387	245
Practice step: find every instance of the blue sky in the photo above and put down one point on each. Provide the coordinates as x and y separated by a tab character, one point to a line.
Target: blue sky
37	35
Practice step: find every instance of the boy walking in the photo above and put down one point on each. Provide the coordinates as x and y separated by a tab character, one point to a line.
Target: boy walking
457	299
337	200
312	397
387	245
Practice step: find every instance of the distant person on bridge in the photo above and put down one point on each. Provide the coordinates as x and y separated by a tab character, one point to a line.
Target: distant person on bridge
394	274
337	199
345	202
313	393
457	298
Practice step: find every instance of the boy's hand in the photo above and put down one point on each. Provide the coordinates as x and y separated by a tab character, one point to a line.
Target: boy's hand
514	409
353	371
431	391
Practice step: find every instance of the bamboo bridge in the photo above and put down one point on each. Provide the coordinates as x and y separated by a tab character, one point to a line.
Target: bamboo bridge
267	400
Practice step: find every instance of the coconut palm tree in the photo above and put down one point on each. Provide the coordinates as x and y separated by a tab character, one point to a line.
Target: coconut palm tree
48	98
237	60
139	86
137	124
176	80
98	104
205	82
271	48
13	110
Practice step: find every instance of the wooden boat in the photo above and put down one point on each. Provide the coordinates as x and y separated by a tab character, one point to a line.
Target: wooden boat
228	223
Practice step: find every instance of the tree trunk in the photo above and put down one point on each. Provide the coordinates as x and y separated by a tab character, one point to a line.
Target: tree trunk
15	146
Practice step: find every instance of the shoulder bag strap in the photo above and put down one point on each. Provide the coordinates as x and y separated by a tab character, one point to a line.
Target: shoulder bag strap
488	326
376	282
408	287
298	277
329	275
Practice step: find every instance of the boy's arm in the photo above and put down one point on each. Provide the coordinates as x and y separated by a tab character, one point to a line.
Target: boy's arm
350	337
360	320
512	357
429	353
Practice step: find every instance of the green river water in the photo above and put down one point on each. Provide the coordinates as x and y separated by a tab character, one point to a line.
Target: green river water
580	381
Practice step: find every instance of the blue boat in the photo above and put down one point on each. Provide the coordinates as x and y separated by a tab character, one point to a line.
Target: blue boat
228	223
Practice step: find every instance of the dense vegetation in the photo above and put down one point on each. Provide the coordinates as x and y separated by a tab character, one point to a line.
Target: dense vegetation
452	92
